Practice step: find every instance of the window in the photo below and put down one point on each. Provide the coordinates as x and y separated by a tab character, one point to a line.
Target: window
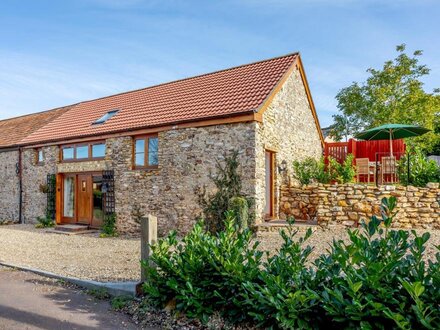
68	153
146	151
81	152
40	156
98	150
106	117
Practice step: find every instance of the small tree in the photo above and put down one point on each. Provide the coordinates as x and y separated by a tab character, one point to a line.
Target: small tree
391	94
227	181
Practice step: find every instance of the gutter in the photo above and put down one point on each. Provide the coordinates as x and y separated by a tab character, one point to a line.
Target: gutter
20	186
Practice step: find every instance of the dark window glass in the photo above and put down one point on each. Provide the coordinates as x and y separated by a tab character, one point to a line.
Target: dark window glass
98	150
98	210
68	153
153	145
82	152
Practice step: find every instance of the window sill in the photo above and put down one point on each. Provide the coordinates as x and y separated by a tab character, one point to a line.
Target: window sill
150	168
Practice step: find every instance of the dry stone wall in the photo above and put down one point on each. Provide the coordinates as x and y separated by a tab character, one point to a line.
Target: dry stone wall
9	187
349	204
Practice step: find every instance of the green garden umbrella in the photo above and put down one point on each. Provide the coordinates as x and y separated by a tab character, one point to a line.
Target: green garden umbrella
392	132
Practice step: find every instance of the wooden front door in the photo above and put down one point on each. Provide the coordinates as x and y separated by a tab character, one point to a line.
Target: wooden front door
84	191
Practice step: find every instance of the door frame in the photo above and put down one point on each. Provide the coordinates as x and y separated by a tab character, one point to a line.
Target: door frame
271	214
60	218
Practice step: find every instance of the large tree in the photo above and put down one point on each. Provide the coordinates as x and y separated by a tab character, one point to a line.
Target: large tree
393	94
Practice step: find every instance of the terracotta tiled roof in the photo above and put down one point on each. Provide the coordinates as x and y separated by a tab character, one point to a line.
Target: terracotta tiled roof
228	92
13	130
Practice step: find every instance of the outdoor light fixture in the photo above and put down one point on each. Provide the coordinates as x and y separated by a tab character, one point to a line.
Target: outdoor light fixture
282	167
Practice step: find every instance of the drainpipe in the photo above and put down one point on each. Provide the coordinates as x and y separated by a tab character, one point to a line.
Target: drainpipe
20	184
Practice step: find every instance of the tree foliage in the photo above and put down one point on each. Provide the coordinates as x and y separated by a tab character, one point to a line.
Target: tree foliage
393	94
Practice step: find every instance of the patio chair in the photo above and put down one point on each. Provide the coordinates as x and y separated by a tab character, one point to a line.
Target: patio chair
363	168
388	168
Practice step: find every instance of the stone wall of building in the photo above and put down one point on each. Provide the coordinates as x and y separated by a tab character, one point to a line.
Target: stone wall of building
34	177
9	187
186	159
349	204
290	130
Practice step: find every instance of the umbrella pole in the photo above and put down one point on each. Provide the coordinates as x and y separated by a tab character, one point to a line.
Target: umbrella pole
391	155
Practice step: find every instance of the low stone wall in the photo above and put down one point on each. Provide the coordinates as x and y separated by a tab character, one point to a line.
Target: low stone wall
349	204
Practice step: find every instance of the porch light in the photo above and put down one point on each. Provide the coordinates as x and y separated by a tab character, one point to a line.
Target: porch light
282	167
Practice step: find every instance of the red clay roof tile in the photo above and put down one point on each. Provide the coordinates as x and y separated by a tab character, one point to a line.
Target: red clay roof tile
13	130
224	93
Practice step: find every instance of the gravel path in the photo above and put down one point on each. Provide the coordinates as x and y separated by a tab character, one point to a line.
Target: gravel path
117	259
322	238
83	256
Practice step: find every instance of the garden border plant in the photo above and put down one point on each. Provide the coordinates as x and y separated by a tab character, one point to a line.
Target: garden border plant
378	279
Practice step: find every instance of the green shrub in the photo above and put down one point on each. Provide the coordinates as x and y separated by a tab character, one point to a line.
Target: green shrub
280	294
227	181
377	279
311	170
240	207
422	169
108	228
204	273
342	173
45	222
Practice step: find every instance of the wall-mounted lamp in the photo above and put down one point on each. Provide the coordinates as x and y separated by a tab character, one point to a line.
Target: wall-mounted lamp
282	167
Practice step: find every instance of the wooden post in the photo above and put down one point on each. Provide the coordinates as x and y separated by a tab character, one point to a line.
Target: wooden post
148	237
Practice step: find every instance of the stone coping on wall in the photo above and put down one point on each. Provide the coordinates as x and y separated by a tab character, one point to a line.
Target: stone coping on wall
349	204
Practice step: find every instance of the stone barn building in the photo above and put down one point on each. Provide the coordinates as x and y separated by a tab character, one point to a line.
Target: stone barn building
149	149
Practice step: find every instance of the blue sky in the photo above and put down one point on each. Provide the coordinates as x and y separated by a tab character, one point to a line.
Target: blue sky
54	53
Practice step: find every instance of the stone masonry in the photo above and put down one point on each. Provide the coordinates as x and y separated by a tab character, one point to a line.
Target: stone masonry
349	204
187	156
34	177
289	129
9	187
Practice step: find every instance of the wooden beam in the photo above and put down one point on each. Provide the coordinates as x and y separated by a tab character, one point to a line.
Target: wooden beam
252	116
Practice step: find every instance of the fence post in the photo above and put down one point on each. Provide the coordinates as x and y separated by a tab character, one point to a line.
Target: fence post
148	237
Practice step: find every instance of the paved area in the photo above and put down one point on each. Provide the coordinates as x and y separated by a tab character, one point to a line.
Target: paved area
29	301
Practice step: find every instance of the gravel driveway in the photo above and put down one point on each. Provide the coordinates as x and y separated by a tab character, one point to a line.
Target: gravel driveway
83	256
117	259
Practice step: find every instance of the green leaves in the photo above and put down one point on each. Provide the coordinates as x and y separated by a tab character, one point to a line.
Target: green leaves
375	280
391	94
311	170
422	170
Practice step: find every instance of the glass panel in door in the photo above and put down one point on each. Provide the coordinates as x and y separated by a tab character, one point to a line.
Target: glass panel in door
69	197
98	211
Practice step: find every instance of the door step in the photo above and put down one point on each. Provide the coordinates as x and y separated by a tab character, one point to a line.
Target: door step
72	230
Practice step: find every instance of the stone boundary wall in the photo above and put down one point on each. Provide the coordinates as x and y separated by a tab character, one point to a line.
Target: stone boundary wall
349	204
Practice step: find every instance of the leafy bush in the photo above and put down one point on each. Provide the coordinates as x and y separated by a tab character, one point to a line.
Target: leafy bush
240	207
227	181
342	173
378	279
311	170
45	222
204	272
108	228
422	169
